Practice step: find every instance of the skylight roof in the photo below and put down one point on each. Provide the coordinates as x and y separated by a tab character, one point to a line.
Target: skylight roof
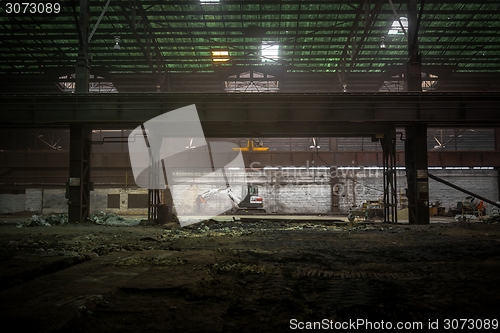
396	26
269	51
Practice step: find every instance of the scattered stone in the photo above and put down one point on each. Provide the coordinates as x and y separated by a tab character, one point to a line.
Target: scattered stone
44	220
103	218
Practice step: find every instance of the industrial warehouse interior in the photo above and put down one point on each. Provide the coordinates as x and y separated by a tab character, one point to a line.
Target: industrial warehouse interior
249	165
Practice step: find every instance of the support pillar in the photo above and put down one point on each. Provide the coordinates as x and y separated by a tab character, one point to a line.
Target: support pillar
79	185
155	172
497	148
80	146
334	181
416	135
416	174
82	74
414	65
389	168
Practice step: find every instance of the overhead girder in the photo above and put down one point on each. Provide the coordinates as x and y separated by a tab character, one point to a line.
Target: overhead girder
276	114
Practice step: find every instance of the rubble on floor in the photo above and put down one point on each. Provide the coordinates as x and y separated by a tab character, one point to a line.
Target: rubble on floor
44	220
492	218
103	218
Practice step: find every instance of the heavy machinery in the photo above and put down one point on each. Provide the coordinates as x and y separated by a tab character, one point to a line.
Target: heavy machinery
251	203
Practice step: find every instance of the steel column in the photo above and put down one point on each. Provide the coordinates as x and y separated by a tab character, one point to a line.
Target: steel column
389	168
80	146
79	185
416	135
83	63
416	174
414	65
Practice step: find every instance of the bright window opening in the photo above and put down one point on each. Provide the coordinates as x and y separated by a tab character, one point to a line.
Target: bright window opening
269	52
252	82
97	84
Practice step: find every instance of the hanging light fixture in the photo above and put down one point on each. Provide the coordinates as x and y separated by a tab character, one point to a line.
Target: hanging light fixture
117	43
382	42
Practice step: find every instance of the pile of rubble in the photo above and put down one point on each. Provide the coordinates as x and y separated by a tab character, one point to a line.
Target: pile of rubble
103	218
48	220
44	220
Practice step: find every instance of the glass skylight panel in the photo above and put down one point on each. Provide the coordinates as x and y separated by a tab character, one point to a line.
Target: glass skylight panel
396	27
269	51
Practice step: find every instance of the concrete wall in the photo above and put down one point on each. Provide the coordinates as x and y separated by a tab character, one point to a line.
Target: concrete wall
99	201
34	200
12	203
54	201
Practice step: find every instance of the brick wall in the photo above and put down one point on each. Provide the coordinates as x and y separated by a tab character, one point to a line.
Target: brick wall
289	191
481	182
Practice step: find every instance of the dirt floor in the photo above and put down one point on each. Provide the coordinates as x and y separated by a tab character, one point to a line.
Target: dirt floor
248	275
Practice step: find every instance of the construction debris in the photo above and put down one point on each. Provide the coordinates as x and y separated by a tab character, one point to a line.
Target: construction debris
492	219
103	218
44	220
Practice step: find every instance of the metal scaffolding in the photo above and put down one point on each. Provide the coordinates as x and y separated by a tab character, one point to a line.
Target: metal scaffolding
389	168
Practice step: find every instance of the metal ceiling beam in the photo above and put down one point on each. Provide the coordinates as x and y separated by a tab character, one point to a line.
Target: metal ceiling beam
250	112
308	59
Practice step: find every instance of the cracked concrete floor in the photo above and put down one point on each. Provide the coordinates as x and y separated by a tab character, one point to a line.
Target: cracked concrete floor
252	276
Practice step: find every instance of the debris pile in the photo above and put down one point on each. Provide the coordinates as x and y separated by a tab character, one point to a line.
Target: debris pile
243	268
154	261
44	220
493	219
103	218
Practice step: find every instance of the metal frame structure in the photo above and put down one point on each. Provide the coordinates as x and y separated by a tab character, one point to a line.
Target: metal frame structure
230	115
166	46
324	45
388	143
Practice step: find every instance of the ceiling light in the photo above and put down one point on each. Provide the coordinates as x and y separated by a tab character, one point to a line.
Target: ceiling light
382	42
209	1
220	55
117	43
